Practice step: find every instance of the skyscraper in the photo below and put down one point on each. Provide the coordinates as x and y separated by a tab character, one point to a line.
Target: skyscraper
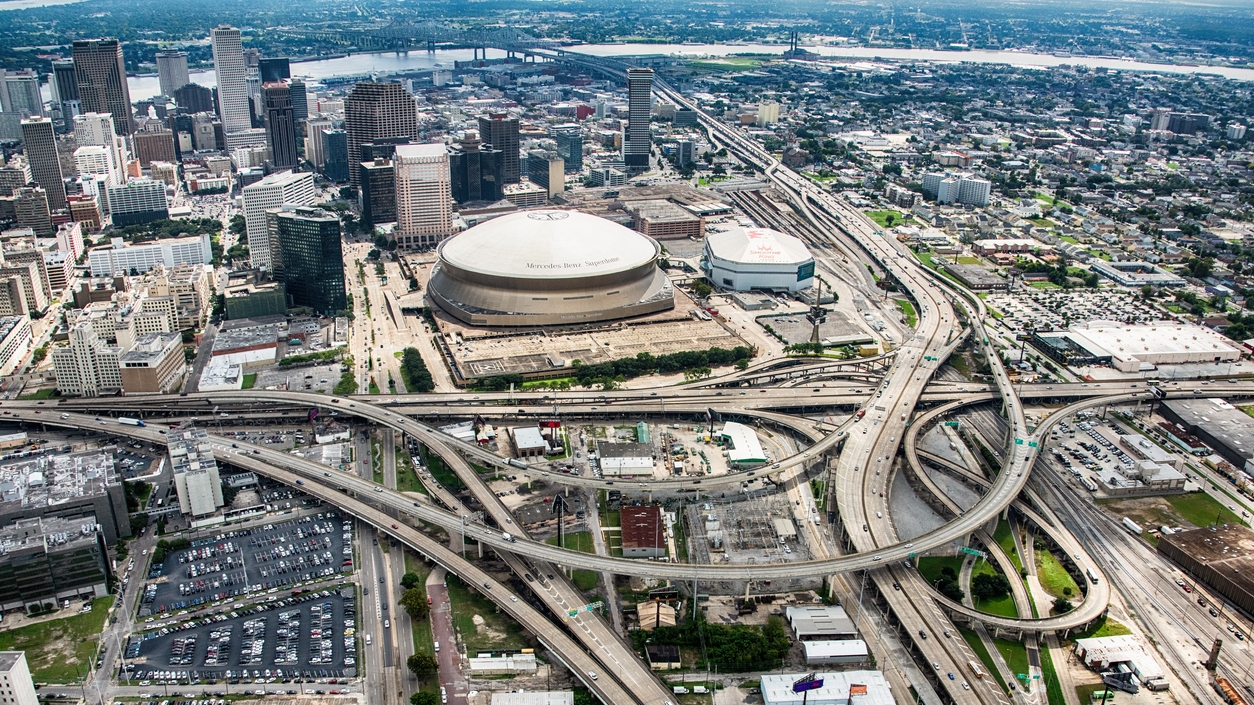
377	195
101	77
424	203
193	98
313	140
45	165
476	171
300	104
501	131
280	127
19	93
545	168
97	129
172	71
335	155
64	80
373	111
228	61
307	257
271	192
274	69
570	146
639	139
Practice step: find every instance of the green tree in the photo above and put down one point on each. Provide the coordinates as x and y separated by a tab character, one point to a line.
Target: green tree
1062	606
417	376
990	587
414	601
423	665
424	698
410	580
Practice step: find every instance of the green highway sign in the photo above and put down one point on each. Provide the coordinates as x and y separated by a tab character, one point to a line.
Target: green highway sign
1032	444
1018	441
952	424
971	551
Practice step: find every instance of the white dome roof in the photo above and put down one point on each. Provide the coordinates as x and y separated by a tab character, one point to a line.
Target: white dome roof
757	246
545	244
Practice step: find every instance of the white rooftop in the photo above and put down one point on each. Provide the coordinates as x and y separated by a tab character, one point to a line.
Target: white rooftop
1123	340
757	246
845	648
745	445
871	688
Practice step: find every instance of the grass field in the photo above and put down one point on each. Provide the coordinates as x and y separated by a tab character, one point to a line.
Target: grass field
1044	285
1015	655
440	471
580	541
41	394
1006	540
907	309
1103	627
882	218
498	631
406	478
60	650
250	381
1054	578
1196	509
930	566
1003	606
977	645
966	259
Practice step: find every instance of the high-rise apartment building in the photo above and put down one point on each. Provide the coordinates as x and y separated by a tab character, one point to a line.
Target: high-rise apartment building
476	171
275	190
172	71
768	113
88	366
335	155
280	124
308	259
137	201
957	188
19	93
45	165
424	202
313	140
501	131
232	74
570	146
639	139
101	76
373	111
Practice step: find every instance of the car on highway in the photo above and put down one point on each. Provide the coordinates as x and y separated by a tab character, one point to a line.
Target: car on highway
951	675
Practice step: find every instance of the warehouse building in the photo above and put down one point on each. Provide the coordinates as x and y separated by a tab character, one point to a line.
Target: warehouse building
741	445
839	688
1218	424
625	459
820	623
744	259
1221	557
1126	653
644	533
1133	348
831	652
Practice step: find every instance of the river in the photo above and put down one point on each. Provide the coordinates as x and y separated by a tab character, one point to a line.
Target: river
395	62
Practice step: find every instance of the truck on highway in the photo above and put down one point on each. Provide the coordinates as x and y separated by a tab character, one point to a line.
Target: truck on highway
975	668
130	421
1132	527
860	414
517	463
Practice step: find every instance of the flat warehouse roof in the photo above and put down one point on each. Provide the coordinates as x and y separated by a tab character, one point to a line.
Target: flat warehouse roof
745	445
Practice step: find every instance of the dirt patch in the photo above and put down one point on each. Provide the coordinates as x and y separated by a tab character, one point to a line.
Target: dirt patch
482	629
1148	512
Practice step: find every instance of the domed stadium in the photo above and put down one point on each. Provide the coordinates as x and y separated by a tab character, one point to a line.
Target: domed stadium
743	259
547	268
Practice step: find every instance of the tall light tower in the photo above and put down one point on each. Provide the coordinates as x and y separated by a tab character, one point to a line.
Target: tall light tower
817	314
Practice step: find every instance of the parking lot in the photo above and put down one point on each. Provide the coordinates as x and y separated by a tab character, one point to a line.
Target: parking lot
304	637
1046	309
320	378
238	563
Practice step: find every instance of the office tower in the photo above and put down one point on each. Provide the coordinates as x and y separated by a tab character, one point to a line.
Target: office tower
313	140
194	98
280	126
476	171
639	139
570	146
204	132
375	111
685	153
13	175
274	69
97	129
273	191
196	478
101	77
545	168
335	155
300	104
305	243
172	71
377	193
19	93
94	159
137	201
154	145
228	61
424	203
501	131
30	205
88	366
84	209
64	81
45	165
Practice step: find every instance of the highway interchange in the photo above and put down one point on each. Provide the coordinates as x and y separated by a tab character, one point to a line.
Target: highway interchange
861	450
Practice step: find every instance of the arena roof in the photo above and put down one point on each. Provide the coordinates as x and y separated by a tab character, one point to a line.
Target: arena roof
757	246
543	244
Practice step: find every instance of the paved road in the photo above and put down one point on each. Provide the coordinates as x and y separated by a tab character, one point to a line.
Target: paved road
452	679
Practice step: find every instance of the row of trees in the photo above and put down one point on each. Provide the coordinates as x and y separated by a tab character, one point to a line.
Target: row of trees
732	648
422	664
417	376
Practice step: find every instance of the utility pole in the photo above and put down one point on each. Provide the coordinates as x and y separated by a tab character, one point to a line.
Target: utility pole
817	314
